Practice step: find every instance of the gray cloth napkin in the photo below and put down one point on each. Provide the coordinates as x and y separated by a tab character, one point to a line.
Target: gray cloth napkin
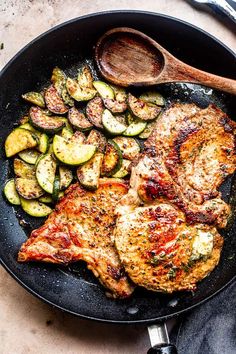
211	328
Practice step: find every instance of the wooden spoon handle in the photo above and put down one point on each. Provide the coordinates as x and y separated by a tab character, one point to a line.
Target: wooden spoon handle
184	72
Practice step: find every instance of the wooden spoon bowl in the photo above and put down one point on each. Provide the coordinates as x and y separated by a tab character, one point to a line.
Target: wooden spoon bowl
127	57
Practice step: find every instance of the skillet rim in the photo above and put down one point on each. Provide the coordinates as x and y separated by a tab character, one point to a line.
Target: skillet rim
14	58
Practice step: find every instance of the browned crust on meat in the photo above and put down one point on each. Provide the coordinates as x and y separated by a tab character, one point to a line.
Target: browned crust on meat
81	228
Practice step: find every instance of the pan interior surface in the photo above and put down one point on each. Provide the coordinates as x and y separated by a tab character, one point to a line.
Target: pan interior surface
74	288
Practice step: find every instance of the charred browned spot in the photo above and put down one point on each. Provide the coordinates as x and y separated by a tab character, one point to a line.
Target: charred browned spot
227	124
114	272
183	135
150	151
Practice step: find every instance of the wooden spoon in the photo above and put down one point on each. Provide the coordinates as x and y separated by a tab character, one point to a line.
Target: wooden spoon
128	57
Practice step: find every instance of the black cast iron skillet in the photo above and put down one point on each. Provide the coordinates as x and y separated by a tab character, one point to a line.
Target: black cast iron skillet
74	289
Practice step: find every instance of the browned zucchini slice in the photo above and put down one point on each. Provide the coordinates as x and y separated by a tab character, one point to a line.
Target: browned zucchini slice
78	120
23	169
97	139
85	77
153	97
94	111
114	106
34	98
129	147
28	188
141	109
58	79
19	139
88	175
45	123
66	177
54	101
79	93
112	160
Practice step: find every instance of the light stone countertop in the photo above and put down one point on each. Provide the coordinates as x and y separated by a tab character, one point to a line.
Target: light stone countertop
28	325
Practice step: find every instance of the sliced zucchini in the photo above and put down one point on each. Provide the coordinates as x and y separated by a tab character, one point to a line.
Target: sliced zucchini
66	97
45	172
111	124
130	118
94	111
115	106
28	188
129	147
45	123
121	118
56	188
28	126
10	192
147	131
104	90
79	93
35	208
88	175
18	140
153	97
35	98
58	79
54	102
78	138
43	143
112	160
124	170
70	152
120	93
66	133
135	128
29	156
97	139
23	169
142	109
78	120
85	77
46	199
66	177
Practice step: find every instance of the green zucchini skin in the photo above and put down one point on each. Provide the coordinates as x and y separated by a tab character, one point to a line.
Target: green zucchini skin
35	98
10	192
88	174
104	90
66	177
29	156
129	147
54	102
135	128
56	188
46	171
147	131
111	124
78	120
112	160
124	170
153	97
35	208
70	152
18	140
94	111
142	109
45	123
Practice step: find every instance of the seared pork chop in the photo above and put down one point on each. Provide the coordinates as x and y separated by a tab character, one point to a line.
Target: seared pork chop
188	155
166	233
81	228
161	252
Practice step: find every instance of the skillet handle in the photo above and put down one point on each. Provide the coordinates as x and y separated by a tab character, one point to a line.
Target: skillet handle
163	349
